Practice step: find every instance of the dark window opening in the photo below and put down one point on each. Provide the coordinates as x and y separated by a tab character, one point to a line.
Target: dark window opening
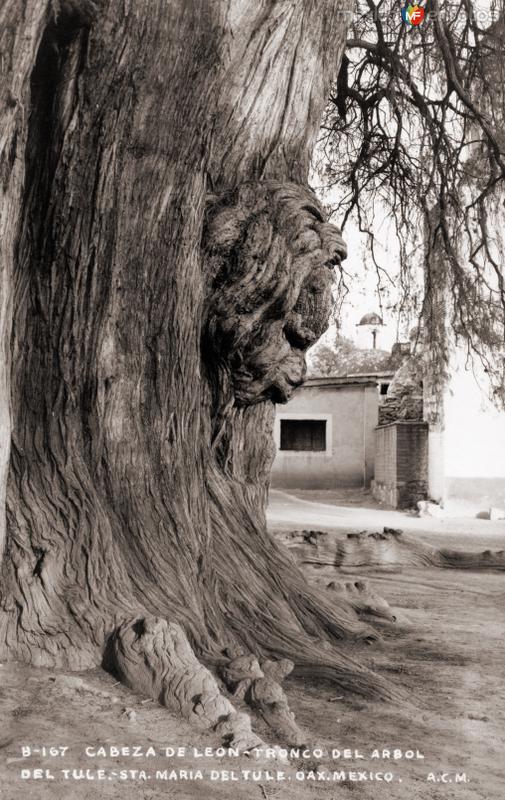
303	434
384	388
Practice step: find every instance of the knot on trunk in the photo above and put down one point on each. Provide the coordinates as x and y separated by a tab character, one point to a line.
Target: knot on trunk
270	258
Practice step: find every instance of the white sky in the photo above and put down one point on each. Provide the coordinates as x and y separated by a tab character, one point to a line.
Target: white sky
362	284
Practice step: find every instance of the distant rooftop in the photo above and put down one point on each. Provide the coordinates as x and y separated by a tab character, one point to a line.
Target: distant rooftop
350	380
349	361
361	362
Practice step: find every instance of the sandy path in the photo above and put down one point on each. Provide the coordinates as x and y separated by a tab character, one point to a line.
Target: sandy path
288	509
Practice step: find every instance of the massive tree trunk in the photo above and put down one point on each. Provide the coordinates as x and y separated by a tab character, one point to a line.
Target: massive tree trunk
165	267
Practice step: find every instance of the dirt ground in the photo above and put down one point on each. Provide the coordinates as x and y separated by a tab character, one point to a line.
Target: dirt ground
446	651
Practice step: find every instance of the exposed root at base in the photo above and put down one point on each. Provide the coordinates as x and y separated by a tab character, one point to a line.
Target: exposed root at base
386	549
153	657
363	599
259	684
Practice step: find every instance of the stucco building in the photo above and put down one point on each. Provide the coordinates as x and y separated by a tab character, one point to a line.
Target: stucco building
325	435
396	428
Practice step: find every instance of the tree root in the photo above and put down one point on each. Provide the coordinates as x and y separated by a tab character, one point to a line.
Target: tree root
363	599
237	732
260	686
153	657
388	549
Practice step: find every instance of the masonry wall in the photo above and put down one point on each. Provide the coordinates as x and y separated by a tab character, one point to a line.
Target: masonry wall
384	483
401	463
350	412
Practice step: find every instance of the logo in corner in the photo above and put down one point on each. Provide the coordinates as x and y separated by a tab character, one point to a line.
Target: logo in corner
412	15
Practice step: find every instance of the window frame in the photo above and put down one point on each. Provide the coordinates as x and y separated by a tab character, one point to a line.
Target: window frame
309	417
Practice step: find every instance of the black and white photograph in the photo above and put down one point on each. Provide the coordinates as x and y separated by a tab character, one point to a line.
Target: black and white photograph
252	399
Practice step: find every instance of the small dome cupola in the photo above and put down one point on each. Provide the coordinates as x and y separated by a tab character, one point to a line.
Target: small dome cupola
372	322
371	319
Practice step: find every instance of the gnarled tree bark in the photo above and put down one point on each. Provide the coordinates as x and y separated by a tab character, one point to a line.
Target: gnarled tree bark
165	268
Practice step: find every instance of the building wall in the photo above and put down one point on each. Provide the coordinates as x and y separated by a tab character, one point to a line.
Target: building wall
467	433
474	440
436	469
350	411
